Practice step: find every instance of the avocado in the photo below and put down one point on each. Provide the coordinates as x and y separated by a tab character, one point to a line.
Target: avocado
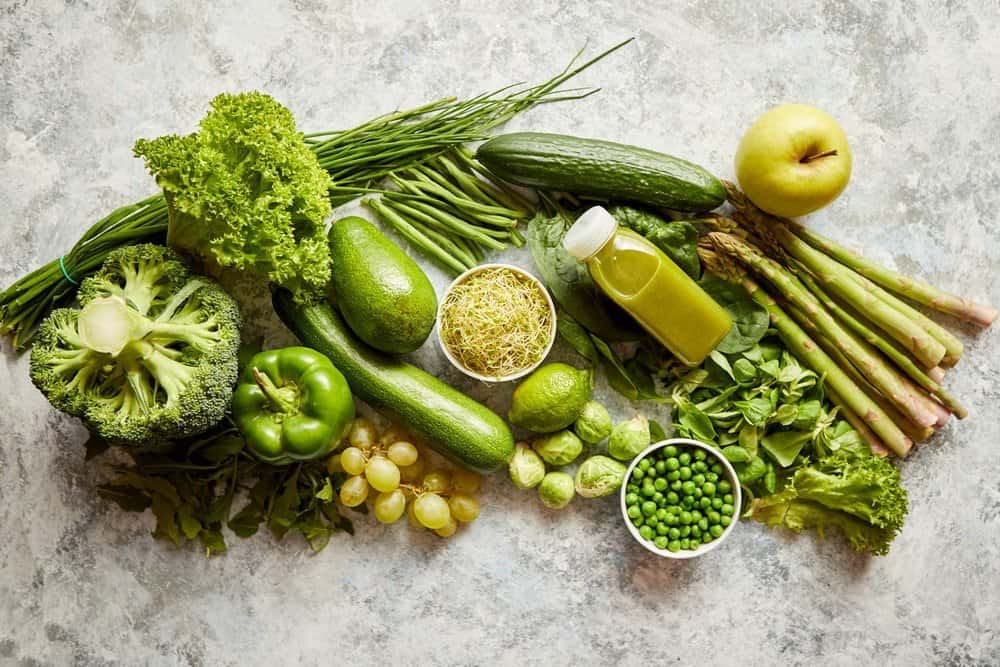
386	299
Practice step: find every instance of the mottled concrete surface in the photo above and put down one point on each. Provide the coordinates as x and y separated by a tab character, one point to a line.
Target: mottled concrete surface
916	86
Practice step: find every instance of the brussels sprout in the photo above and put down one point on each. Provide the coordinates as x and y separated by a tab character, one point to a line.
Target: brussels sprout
593	424
526	467
599	476
558	449
556	490
629	438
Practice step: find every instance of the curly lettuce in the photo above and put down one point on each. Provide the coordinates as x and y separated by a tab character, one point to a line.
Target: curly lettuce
246	192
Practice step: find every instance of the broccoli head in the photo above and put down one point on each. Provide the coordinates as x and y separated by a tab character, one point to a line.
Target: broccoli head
246	192
151	354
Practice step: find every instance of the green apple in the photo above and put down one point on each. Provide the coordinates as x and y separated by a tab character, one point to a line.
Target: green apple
794	160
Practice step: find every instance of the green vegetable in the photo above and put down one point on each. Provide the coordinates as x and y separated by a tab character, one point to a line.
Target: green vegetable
149	356
455	425
860	494
677	239
382	294
601	169
570	283
593	424
558	449
245	192
292	405
599	476
550	399
355	159
629	438
556	490
750	320
526	467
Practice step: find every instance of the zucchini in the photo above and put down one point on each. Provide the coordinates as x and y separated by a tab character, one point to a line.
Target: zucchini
465	431
601	169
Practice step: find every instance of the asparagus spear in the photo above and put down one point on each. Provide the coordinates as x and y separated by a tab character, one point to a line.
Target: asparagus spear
882	375
902	360
799	342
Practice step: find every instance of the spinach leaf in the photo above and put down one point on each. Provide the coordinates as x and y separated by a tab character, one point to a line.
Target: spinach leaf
570	282
677	239
750	320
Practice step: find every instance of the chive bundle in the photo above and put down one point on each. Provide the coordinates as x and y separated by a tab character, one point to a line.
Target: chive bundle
447	209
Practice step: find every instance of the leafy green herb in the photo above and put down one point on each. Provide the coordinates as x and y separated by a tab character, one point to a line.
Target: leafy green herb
192	490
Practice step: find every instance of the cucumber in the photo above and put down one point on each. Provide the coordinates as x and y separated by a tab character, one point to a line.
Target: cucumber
601	169
465	431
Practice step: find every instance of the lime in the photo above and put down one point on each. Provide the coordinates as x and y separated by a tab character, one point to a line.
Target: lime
550	399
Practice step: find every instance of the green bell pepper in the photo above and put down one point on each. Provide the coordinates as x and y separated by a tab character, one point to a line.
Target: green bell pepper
291	405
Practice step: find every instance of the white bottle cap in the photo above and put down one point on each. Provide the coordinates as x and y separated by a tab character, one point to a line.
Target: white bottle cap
589	233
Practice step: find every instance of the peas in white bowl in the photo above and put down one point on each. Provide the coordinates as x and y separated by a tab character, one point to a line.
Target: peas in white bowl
681	498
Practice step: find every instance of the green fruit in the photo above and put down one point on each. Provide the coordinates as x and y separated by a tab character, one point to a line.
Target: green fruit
383	295
458	427
550	399
593	424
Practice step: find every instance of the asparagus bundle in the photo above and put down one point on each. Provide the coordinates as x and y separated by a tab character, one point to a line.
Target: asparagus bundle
450	211
844	316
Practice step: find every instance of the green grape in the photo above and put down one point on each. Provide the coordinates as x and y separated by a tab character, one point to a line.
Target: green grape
411	516
382	474
333	465
354	491
352	460
390	506
464	507
432	511
448	529
465	481
403	453
394	433
436	481
413	472
362	434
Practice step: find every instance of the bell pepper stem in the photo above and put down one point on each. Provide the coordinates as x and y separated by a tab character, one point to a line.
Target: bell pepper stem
283	399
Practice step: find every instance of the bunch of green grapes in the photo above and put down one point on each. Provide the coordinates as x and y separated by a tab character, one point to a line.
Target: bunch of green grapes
391	465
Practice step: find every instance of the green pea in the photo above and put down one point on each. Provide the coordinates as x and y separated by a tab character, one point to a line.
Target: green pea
703	523
697	493
728	498
687	488
648	508
727	510
725	520
661	542
725	486
699	466
638	473
632	488
713	517
684	458
676	485
637	521
648	490
670	450
695	515
687	502
686	517
716	468
671	519
716	503
711	477
685	531
634	512
631	499
708	489
674	509
694	544
644	464
672	463
660	484
673	475
646	532
698	479
685	543
673	533
662	528
715	530
674	545
696	532
661	467
672	497
706	537
705	503
685	472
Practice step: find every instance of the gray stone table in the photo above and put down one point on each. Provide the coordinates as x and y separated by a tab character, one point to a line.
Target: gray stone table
916	85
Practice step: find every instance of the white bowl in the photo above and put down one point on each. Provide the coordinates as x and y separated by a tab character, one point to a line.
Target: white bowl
522	372
730	474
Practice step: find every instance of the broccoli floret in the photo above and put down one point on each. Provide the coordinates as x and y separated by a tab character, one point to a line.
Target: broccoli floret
151	354
246	192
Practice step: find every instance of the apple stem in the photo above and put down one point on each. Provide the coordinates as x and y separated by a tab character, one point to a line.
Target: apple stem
809	158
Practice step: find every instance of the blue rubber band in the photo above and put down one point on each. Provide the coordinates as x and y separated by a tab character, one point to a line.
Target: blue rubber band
62	267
